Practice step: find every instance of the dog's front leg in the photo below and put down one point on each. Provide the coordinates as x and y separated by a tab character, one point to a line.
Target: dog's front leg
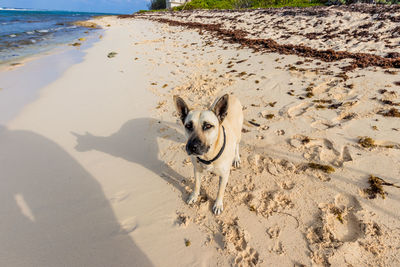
219	205
196	191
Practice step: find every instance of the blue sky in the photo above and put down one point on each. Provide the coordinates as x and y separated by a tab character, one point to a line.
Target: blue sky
106	6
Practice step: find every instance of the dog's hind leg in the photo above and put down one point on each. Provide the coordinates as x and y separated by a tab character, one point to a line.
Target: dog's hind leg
236	159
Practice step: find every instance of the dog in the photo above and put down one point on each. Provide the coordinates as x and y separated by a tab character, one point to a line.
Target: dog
213	138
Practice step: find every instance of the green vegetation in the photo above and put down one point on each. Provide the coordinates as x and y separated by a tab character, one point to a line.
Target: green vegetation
207	4
234	4
160	5
157	4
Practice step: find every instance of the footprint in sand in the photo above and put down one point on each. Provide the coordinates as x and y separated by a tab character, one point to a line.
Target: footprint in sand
129	225
322	124
341	220
337	225
236	241
120	196
294	110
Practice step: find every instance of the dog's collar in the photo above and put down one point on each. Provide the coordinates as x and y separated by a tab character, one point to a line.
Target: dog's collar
208	162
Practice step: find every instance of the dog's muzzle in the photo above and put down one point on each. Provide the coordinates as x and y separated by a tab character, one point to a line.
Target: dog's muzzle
196	147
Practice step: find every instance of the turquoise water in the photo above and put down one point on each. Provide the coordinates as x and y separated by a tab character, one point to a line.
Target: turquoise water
28	32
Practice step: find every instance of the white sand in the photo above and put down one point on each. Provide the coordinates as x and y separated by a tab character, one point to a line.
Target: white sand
94	173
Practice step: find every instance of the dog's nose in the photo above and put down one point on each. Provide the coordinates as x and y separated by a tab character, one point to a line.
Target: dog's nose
194	146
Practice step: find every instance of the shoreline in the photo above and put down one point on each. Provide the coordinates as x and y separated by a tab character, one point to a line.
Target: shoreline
38	71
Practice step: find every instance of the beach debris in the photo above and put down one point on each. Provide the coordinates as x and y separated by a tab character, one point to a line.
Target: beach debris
323	101
324	168
389	102
392	72
182	219
112	54
305	140
309	95
338	212
160	104
253	122
349	116
82	39
86	24
291	92
267	115
366	142
335	106
187	242
393	112
376	187
76	44
165	85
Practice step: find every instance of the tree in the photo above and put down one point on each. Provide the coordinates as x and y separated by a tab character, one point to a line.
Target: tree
157	4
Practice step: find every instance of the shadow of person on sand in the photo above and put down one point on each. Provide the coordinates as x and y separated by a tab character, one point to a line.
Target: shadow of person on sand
137	141
53	212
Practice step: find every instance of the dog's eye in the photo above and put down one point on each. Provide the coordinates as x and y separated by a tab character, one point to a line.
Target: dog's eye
207	126
189	126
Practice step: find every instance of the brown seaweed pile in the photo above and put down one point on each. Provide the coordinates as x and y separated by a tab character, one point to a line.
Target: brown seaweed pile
376	187
247	39
366	142
393	112
324	168
360	60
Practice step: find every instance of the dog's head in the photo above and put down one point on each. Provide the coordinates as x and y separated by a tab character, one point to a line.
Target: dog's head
201	126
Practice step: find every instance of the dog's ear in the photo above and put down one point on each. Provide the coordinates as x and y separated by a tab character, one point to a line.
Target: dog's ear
221	108
181	108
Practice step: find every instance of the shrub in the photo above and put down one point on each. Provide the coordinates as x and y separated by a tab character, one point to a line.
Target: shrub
157	4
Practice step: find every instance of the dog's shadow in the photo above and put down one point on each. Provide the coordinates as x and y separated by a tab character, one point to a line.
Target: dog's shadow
137	141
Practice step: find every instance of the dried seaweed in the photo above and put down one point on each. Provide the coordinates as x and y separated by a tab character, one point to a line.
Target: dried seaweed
112	54
366	142
187	242
324	168
376	187
269	116
338	212
390	113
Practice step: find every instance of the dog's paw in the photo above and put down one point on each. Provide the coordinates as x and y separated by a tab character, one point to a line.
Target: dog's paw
236	163
218	207
192	198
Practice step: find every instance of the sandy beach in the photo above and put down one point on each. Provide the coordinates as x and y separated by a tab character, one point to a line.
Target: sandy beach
94	170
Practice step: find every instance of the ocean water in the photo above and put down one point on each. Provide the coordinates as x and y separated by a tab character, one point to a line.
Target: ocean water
28	32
